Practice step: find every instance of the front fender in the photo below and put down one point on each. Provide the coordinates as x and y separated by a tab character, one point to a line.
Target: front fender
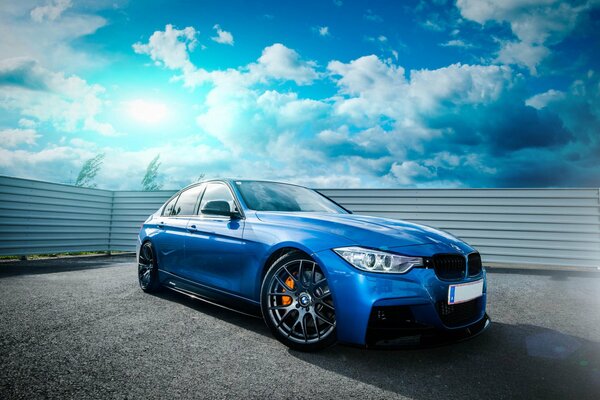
265	239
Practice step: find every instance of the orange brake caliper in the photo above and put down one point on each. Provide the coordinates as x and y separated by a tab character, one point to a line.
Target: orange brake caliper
287	300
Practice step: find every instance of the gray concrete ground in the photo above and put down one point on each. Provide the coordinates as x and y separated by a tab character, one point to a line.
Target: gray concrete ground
82	328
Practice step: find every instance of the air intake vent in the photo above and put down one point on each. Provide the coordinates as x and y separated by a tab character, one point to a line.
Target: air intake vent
449	267
474	264
458	314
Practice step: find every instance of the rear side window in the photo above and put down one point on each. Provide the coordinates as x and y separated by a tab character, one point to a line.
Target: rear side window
187	201
168	210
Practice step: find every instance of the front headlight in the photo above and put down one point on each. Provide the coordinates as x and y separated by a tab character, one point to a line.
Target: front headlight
378	261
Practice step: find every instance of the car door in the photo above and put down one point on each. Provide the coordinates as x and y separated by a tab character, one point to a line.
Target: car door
172	227
214	247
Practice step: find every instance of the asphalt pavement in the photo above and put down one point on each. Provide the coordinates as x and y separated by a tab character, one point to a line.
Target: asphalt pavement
82	328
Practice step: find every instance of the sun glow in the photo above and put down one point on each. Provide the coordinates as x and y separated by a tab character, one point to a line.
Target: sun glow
145	111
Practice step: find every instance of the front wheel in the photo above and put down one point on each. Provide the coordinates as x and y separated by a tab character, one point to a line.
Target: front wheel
297	304
148	269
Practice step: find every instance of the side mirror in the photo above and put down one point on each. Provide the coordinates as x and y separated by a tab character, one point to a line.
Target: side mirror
218	207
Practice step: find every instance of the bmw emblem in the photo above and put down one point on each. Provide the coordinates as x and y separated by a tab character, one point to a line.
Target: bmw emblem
304	299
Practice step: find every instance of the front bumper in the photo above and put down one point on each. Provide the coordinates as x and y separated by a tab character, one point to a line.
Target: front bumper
376	309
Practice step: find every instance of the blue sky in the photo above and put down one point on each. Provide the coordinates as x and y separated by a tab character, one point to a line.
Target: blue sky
330	93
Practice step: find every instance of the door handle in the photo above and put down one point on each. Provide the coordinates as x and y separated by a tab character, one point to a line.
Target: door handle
192	228
161	225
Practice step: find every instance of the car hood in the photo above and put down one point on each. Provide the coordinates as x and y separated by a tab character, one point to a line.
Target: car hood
374	232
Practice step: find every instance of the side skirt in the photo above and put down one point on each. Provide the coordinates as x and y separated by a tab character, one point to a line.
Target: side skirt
209	295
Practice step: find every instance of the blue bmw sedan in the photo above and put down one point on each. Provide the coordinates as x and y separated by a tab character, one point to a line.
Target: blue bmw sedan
317	273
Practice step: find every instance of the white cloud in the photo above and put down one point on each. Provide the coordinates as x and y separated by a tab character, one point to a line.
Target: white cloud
280	62
524	54
10	138
456	43
407	172
170	47
222	37
289	110
27	123
432	25
242	115
368	88
181	162
380	39
367	74
536	24
47	35
372	17
69	103
532	21
122	168
541	100
459	84
243	118
103	128
447	160
323	31
51	164
371	89
379	115
50	11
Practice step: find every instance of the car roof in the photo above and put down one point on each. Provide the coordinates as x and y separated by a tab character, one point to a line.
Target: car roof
233	181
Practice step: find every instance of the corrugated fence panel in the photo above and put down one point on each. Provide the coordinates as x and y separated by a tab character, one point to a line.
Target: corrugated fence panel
40	217
130	210
554	227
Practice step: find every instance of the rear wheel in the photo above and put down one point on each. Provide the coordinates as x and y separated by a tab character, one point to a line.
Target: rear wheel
148	269
297	304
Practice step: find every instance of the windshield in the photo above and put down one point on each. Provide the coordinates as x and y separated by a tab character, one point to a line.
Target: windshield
271	196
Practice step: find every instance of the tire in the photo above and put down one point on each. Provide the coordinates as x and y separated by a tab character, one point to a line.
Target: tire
297	304
148	269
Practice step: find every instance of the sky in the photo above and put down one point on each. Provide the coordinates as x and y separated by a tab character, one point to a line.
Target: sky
328	93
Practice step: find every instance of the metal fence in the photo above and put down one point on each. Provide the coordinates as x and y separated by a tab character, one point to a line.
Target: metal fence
40	217
130	210
551	227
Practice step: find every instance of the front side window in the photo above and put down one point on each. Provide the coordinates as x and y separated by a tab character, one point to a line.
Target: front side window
218	192
186	204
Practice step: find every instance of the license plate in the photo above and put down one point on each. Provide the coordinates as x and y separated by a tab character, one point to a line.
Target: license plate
465	292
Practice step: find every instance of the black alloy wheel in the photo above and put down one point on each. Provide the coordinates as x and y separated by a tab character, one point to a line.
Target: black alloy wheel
297	304
148	269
